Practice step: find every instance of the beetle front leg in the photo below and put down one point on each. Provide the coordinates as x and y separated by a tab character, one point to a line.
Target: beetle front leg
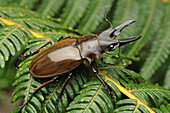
33	51
76	45
36	49
107	87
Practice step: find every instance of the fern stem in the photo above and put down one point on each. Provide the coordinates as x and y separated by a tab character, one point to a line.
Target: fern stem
35	34
126	92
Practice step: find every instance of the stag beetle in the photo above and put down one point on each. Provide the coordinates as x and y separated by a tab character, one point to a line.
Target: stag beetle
67	55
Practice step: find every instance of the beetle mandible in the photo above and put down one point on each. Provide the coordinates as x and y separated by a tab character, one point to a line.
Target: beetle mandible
66	55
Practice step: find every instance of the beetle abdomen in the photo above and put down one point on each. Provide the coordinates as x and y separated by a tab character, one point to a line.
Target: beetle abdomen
56	62
51	69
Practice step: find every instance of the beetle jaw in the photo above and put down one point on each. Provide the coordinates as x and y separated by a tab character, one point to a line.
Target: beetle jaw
112	33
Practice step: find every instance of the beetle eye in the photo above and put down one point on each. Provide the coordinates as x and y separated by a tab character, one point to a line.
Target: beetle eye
111	47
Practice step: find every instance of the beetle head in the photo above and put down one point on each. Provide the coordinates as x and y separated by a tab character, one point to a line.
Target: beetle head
107	38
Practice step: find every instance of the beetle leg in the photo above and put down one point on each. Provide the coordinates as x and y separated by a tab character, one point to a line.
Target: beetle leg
69	36
36	90
36	49
123	62
76	45
95	70
33	51
62	90
61	38
118	45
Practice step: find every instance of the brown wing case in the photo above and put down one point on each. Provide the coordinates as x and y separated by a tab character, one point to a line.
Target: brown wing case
47	68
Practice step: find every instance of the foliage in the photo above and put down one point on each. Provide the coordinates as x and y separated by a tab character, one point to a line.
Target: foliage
56	18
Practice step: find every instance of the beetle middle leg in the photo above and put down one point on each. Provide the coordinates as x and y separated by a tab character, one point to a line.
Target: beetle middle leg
62	90
107	87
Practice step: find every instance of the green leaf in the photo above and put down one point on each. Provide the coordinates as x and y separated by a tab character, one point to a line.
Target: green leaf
91	99
167	78
50	7
126	10
149	18
160	49
10	41
73	12
94	15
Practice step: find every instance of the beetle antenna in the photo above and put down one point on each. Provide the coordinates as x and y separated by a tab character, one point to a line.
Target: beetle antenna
106	10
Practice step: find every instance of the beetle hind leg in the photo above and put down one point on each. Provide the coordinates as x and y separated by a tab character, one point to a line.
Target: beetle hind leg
36	90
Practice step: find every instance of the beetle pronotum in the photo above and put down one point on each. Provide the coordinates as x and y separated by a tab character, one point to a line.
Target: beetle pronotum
72	52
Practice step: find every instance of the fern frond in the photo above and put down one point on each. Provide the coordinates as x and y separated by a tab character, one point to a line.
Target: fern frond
50	7
11	40
8	12
129	105
91	99
94	15
147	24
28	18
150	93
73	12
38	24
162	109
119	73
125	91
27	30
126	10
160	49
71	90
26	85
27	3
167	79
